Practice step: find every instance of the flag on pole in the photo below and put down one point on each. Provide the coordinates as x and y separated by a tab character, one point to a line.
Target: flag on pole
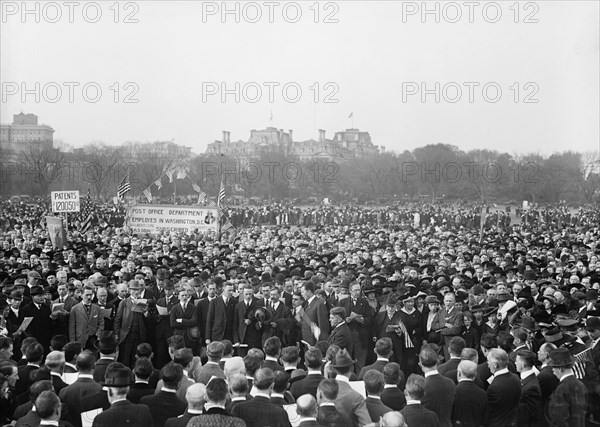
124	187
212	205
158	183
87	213
201	197
221	198
148	195
169	173
181	174
351	115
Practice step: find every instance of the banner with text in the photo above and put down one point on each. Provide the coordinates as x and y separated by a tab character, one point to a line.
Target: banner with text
157	219
65	201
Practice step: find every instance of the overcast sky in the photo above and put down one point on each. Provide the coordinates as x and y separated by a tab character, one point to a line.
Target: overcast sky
374	61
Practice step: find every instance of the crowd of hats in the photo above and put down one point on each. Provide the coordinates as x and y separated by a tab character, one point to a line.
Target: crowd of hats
378	258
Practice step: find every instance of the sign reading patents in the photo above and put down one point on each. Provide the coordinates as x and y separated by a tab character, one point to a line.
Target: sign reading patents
157	219
65	201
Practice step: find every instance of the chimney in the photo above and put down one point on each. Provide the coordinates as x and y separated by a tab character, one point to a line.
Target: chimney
321	135
224	136
228	137
290	133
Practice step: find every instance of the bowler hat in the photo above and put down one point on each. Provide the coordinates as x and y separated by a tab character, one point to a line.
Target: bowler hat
342	360
161	274
37	290
490	311
101	281
119	377
106	343
561	358
392	299
503	297
15	294
134	284
529	323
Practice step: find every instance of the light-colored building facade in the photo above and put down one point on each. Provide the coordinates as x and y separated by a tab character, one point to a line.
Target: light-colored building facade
345	145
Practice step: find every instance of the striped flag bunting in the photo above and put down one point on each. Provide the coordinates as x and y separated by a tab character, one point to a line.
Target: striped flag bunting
158	183
87	213
148	194
123	188
170	175
181	174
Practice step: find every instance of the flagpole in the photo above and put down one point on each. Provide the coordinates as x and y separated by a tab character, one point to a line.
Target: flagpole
175	192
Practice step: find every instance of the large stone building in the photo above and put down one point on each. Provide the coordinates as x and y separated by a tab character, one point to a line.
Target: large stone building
345	145
15	139
167	149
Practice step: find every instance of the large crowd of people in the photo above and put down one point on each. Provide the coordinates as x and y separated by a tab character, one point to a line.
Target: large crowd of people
407	315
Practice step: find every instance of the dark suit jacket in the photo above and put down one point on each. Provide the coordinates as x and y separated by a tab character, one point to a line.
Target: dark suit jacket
274	366
100	369
260	412
281	317
30	419
450	365
503	400
139	390
394	398
219	320
180	421
72	395
307	385
207	371
419	416
470	405
124	319
58	383
82	326
189	318
24	381
242	333
315	312
342	337
439	398
376	408
360	331
548	383
163	330
163	405
529	413
329	416
124	413
95	401
216	417
40	325
378	366
352	403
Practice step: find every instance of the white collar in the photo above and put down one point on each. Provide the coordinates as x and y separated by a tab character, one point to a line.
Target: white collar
118	400
527	374
569	374
311	299
56	374
141	382
71	365
307	419
85	376
460	380
343	378
194	411
430	373
238	399
33	364
501	372
327	404
413	402
48	423
277	395
390	386
373	397
168	390
271	358
314	373
385	359
209	405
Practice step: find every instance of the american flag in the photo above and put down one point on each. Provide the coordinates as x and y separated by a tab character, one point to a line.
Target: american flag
124	187
87	213
221	198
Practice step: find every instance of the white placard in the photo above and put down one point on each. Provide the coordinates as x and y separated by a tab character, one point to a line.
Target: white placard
65	201
157	219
